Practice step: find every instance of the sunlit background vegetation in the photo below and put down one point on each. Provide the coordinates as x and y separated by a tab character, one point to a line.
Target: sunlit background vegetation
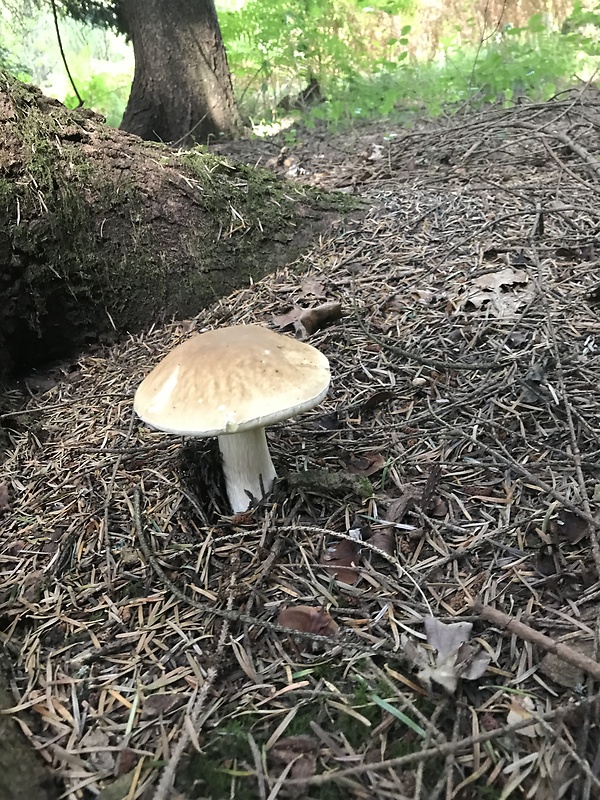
368	59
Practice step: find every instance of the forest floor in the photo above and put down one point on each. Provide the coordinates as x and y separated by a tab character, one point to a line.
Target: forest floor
414	612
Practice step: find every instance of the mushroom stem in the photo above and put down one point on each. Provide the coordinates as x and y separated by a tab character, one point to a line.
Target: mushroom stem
246	462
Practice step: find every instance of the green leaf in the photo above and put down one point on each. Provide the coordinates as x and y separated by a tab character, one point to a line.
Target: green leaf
399	715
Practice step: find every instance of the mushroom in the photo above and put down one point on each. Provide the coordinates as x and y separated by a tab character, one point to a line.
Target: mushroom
231	383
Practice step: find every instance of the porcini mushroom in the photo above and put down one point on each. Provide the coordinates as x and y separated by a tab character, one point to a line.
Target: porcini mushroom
231	383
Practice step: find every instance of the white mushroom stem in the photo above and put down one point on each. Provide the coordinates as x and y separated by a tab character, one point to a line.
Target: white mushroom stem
246	463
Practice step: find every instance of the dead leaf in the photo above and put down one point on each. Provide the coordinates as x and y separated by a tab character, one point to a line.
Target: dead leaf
311	286
433	479
440	507
98	742
288	319
546	561
308	620
561	671
328	422
299	751
118	789
376	399
505	291
521	259
156	705
384	539
4	504
505	277
341	558
398	508
520	709
126	761
455	658
570	526
471	661
307	321
366	464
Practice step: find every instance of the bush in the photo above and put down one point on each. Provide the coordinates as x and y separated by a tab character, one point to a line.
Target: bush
278	47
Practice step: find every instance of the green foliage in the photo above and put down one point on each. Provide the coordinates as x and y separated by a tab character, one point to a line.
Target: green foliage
103	92
582	27
528	61
357	53
533	61
101	63
278	47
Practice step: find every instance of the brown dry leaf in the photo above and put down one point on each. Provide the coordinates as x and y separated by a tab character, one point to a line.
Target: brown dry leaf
440	507
504	277
288	319
342	557
126	761
571	527
300	751
366	464
311	286
384	539
433	479
377	399
307	321
399	507
491	288
4	504
308	620
546	561
157	704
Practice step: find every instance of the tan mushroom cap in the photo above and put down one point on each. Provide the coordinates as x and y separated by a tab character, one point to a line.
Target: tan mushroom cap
230	380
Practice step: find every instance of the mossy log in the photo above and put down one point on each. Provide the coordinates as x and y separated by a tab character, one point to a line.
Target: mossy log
102	233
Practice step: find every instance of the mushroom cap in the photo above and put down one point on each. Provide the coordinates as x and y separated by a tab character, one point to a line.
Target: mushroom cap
232	379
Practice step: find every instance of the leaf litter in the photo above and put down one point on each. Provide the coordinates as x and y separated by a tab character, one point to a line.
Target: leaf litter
126	582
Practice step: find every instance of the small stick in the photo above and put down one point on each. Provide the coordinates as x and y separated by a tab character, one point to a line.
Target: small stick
512	625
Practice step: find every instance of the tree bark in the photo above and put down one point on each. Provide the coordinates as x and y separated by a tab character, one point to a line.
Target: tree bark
181	89
101	233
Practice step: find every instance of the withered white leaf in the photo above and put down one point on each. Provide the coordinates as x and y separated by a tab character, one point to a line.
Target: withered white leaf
504	277
520	709
447	638
455	658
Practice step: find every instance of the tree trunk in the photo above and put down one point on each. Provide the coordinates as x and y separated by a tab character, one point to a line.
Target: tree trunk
101	233
181	89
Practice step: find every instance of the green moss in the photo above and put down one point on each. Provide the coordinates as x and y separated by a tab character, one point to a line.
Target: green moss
100	231
209	774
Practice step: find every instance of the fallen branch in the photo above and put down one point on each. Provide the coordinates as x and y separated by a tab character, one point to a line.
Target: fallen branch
562	651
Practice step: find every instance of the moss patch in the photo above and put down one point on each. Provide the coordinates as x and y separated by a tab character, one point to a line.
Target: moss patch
103	233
